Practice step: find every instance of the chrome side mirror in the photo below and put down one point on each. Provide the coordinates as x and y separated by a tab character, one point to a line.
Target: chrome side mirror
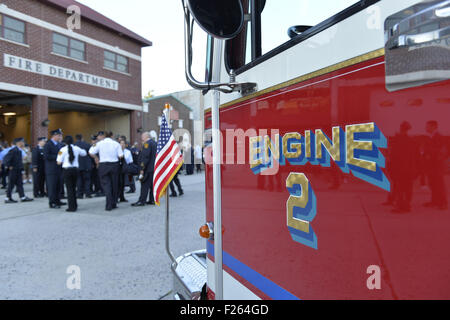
222	20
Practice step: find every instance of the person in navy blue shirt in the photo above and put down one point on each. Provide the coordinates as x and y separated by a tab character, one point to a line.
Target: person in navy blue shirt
147	163
53	171
4	148
38	165
13	161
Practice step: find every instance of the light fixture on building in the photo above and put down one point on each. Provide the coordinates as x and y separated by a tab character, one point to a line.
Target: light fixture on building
9	118
45	123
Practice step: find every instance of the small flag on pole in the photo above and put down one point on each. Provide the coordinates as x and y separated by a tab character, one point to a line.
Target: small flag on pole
168	161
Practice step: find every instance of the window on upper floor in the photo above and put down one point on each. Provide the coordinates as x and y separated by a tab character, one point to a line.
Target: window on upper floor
115	61
12	29
69	47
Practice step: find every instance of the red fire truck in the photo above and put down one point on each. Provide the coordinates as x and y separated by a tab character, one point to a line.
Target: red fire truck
328	163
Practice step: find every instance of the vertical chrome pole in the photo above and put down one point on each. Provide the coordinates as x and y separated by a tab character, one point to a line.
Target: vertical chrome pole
169	252
217	159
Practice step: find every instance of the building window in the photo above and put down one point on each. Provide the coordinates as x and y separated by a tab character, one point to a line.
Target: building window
115	62
12	29
69	47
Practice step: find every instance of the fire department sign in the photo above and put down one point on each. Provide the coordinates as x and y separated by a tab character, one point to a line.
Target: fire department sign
49	70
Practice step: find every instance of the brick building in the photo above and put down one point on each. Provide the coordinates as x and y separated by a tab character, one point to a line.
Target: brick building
181	117
81	80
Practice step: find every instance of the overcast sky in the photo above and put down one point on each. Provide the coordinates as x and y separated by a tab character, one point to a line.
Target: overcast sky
162	23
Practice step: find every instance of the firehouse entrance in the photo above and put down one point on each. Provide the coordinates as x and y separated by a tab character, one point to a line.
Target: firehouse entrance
16	118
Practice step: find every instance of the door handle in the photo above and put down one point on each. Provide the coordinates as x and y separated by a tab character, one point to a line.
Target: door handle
407	32
424	27
416	39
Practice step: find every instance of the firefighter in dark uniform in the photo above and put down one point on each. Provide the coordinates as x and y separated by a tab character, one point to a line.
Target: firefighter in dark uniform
147	164
84	170
38	165
13	161
135	153
436	156
176	181
53	172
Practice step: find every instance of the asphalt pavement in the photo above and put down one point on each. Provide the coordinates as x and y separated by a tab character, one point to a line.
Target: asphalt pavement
116	255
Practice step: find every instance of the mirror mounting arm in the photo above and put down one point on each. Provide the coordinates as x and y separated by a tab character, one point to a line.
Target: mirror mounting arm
232	86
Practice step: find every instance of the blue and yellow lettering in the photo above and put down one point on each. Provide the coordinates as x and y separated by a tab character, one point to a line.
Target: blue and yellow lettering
363	156
310	147
294	148
273	151
301	209
256	154
336	148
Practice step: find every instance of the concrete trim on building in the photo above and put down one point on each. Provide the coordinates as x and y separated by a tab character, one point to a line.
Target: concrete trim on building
69	33
67	96
167	96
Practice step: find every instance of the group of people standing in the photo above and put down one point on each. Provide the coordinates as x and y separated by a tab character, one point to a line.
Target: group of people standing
103	168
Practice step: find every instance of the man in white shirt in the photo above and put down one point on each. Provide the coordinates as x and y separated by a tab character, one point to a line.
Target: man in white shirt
107	154
198	158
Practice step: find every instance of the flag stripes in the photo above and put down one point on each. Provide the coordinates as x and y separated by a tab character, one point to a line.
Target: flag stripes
168	161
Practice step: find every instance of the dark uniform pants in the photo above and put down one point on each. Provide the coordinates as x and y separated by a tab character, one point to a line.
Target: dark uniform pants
122	181
53	188
437	186
109	180
38	183
84	183
4	174
147	188
15	179
61	185
95	181
129	182
70	179
177	182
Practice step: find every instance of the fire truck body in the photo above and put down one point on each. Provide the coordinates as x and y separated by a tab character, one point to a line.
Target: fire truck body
334	172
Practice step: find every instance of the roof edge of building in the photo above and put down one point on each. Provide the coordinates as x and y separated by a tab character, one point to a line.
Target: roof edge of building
167	96
100	19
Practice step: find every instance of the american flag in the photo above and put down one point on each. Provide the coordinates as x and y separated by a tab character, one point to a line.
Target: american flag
168	160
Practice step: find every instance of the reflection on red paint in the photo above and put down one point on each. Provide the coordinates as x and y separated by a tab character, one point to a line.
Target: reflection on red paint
210	294
406	232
